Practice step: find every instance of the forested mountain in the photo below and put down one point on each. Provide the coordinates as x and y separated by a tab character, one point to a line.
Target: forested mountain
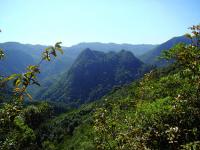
104	80
93	74
30	54
15	61
19	56
160	110
151	57
27	54
33	50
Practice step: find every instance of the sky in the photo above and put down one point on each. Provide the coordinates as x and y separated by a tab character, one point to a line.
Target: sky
74	21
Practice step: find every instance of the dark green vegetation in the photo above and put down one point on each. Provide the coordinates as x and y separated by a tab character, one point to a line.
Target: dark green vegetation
161	110
151	57
18	56
95	73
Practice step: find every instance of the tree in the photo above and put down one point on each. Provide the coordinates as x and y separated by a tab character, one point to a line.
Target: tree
166	109
16	126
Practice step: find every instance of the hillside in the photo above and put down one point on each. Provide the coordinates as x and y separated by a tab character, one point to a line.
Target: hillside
19	56
151	57
16	61
93	74
160	111
27	54
100	75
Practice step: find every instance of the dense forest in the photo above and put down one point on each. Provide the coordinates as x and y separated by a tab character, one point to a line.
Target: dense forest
93	74
103	100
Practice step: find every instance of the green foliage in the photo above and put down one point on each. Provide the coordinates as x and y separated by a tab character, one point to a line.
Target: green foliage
93	75
17	121
52	50
71	130
152	56
191	146
163	111
18	124
48	145
160	111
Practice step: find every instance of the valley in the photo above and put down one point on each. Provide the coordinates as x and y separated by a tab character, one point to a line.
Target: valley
102	99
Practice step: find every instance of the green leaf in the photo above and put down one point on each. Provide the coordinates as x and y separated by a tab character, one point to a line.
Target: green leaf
17	82
46	56
60	50
13	76
57	45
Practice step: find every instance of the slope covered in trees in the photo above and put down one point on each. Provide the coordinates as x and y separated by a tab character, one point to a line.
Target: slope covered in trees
15	62
26	54
162	112
152	56
18	56
93	74
159	111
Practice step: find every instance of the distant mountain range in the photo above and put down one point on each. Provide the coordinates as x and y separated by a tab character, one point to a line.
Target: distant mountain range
20	55
15	60
93	74
84	75
137	49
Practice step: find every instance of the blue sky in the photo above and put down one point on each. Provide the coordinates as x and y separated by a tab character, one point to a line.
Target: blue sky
74	21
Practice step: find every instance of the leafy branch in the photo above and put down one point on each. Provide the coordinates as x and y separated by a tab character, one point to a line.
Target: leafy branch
22	81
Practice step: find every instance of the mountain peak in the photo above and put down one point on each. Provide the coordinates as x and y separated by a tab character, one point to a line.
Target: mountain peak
125	52
94	74
86	54
87	49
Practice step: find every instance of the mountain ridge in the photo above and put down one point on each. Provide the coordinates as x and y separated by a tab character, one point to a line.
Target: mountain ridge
93	74
151	56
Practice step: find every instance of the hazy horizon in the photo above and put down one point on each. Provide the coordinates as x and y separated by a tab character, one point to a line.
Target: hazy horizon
80	43
72	22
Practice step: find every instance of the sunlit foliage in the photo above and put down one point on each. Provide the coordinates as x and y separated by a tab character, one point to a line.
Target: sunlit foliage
166	106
